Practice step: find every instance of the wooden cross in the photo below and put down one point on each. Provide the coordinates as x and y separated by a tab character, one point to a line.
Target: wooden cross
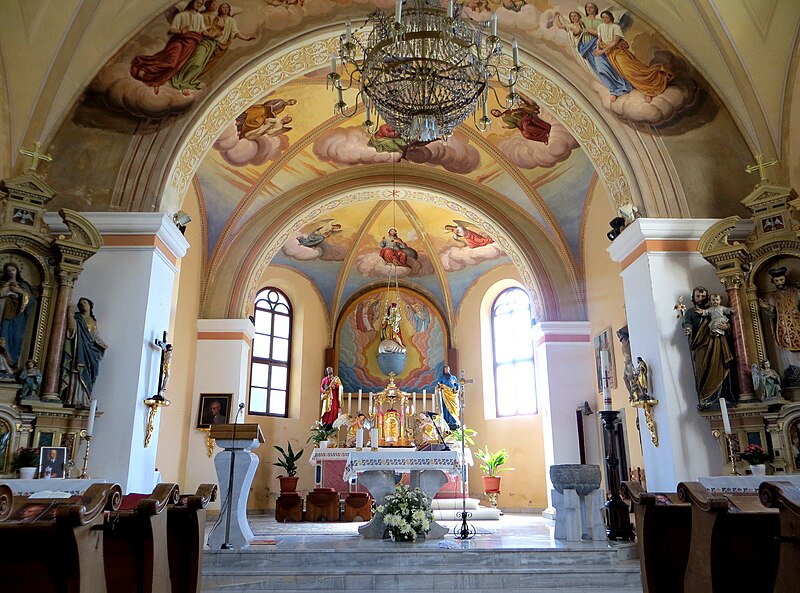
36	155
760	165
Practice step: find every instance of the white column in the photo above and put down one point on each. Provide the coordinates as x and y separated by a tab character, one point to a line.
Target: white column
564	380
222	366
660	262
130	280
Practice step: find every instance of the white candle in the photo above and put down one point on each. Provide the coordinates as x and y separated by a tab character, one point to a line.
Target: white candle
494	25
339	91
92	413
370	404
726	421
414	403
398	11
359	401
360	438
515	52
424	393
450	8
333	63
348	34
604	380
373	435
349	402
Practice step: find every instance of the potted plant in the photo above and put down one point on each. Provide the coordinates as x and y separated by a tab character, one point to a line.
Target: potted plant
490	465
756	457
25	461
288	461
455	436
320	433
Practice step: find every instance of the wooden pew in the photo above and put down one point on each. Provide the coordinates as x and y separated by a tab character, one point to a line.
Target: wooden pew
186	524
733	543
663	533
786	498
135	547
55	545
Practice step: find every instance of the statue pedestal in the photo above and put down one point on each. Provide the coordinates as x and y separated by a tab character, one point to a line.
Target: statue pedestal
233	528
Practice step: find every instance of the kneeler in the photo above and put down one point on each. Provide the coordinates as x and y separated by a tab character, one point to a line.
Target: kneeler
186	525
135	550
357	507
322	504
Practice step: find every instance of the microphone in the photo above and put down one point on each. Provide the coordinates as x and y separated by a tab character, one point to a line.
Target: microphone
241	406
431	414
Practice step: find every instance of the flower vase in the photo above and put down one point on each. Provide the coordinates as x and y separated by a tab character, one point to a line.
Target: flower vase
759	469
400	537
323	444
27	473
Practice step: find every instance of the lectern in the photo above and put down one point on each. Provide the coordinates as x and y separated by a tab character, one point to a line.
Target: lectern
236	466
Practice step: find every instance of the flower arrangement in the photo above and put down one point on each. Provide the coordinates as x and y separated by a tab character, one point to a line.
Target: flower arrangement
25	457
407	513
320	432
754	454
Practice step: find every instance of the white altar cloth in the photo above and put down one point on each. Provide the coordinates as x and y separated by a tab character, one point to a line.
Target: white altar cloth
744	484
28	487
401	461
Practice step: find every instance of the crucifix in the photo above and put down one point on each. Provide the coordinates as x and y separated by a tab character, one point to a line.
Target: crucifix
159	400
760	166
36	155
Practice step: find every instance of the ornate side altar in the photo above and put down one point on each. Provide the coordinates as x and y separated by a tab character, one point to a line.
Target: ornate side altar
376	470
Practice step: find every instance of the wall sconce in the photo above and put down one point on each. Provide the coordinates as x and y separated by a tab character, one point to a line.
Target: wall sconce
181	219
617	225
153	403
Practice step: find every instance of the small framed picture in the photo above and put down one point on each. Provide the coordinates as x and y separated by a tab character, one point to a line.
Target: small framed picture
52	462
214	409
602	341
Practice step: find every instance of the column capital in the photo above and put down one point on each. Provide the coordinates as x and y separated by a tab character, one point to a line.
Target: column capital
561	331
658	234
225	329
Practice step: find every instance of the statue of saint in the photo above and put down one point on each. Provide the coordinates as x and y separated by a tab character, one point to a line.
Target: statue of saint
391	335
331	396
782	305
448	390
16	302
83	351
642	380
31	379
767	379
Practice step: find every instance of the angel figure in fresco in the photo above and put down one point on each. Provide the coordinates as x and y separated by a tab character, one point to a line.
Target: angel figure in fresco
367	312
649	80
419	316
467	236
583	33
220	30
525	118
386	139
319	234
258	120
186	32
396	251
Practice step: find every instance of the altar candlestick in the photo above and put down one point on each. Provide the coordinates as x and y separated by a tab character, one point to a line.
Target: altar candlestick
373	435
349	402
359	401
92	413
726	421
604	380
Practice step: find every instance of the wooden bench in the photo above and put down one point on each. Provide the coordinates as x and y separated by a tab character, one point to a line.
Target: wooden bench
663	534
135	547
186	525
55	545
786	498
733	544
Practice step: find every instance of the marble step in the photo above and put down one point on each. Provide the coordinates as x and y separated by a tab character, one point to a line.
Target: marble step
592	588
620	578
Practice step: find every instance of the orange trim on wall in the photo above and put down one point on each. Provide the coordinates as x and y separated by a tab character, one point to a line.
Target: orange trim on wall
240	336
563	338
140	241
662	245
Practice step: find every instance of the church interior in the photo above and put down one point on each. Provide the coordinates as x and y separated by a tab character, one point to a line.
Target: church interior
205	207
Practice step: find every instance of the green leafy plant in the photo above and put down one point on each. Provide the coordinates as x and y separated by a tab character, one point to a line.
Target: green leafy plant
288	459
406	513
491	462
455	436
25	457
320	432
754	455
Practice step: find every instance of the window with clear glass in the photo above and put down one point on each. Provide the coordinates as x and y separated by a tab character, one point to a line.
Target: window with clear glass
270	360
515	391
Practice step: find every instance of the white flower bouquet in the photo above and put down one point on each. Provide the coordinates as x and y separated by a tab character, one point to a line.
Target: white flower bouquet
406	513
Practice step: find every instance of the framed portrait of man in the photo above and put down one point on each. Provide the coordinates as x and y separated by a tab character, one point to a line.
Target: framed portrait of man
52	462
602	341
214	408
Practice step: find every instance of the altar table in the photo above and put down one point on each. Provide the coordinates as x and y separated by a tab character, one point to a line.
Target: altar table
427	470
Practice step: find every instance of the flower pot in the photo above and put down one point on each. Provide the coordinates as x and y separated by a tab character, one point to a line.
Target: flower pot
759	469
491	483
288	483
27	473
323	444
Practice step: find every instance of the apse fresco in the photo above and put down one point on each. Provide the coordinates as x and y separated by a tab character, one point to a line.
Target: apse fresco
358	337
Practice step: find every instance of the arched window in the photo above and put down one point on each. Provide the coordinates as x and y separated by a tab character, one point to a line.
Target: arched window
512	349
271	358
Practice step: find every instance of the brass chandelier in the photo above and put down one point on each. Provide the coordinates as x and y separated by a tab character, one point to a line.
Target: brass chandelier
423	70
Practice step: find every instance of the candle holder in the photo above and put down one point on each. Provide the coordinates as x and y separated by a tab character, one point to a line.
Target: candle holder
153	403
85	469
729	445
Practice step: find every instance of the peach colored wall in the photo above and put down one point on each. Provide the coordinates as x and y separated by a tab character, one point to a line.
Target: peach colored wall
525	487
606	307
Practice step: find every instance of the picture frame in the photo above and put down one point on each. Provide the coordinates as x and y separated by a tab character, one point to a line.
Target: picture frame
213	408
53	462
603	341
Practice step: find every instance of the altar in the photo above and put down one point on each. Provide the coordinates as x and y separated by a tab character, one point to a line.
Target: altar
428	471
